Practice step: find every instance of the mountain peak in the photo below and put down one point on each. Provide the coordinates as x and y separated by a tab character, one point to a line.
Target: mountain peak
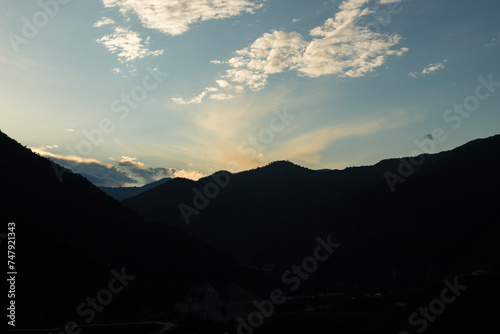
284	164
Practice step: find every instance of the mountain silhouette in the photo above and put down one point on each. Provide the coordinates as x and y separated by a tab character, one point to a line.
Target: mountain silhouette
259	208
226	240
122	193
71	235
270	216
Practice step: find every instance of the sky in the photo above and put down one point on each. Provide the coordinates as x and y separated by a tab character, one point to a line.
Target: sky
126	92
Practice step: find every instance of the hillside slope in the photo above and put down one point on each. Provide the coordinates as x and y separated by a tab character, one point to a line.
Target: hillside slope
71	235
442	218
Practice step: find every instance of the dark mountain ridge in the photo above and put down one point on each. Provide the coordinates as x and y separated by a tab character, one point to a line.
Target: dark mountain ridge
440	215
284	193
122	193
79	234
441	221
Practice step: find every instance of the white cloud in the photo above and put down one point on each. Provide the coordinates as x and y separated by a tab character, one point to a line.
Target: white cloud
491	43
43	152
104	21
429	69
97	172
341	46
223	83
174	17
128	172
146	174
386	2
196	99
221	97
434	67
271	53
129	161
128	45
344	48
349	5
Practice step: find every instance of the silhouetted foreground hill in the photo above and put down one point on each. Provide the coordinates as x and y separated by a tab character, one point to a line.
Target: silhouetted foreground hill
70	236
122	193
441	219
397	249
256	208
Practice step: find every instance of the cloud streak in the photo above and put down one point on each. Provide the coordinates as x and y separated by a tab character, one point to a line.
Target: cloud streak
308	146
429	69
493	42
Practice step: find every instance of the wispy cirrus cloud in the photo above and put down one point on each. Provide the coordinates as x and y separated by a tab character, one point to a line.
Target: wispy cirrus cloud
342	46
493	42
196	99
434	67
308	146
429	69
221	97
127	45
224	134
174	17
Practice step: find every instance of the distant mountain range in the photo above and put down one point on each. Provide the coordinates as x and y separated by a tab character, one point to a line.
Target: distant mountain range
71	236
441	218
122	193
212	246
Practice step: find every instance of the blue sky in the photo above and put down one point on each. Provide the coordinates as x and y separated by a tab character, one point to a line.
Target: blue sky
237	84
